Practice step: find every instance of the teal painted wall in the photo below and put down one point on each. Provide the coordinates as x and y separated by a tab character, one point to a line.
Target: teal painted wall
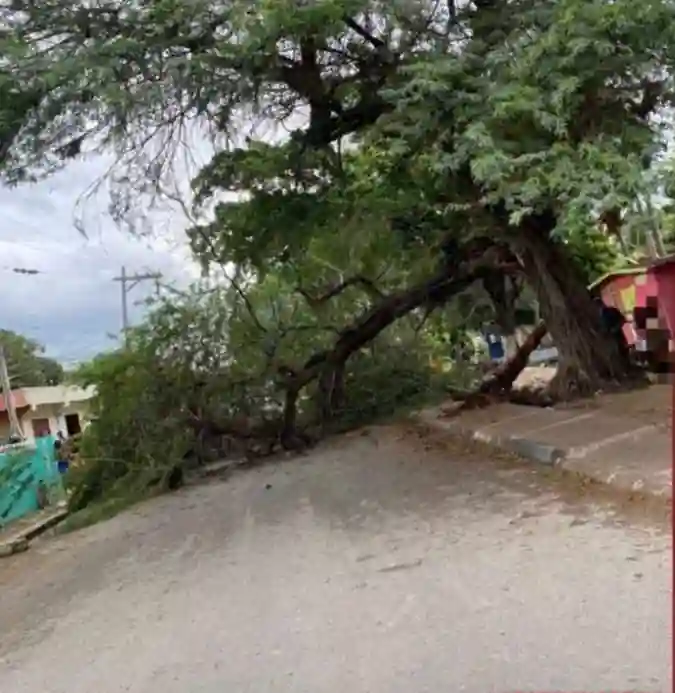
22	469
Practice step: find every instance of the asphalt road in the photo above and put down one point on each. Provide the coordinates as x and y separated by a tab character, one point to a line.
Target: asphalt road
375	564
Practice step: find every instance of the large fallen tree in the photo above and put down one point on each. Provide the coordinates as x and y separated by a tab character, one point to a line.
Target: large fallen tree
480	257
510	121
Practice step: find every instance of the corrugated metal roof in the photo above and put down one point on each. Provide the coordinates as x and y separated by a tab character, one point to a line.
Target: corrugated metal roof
641	268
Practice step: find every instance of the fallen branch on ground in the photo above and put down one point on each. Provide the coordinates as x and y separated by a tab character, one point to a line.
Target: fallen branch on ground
498	384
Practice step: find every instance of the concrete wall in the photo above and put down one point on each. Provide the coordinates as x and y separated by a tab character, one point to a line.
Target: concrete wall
66	394
664	274
52	403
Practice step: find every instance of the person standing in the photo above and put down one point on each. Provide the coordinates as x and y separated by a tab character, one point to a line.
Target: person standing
60	453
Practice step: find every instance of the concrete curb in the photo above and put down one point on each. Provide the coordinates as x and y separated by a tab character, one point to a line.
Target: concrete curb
532	450
12	547
20	540
568	461
525	447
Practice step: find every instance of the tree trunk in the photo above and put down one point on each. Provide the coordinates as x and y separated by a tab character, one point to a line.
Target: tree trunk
589	357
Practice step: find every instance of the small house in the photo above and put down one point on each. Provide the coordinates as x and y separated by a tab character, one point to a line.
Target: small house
44	411
646	296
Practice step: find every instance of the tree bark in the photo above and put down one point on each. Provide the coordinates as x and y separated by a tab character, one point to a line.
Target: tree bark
497	385
501	380
589	357
290	415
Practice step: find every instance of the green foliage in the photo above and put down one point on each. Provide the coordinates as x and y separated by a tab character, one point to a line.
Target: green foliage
390	379
181	361
669	231
26	364
140	434
129	443
540	105
315	221
545	105
464	124
594	252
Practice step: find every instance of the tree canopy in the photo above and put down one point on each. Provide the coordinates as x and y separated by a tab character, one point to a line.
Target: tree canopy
26	364
516	122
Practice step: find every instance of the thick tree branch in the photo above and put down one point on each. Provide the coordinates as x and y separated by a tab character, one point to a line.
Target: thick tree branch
363	33
438	289
499	383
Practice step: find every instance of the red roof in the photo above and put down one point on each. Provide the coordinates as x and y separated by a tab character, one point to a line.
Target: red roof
19	400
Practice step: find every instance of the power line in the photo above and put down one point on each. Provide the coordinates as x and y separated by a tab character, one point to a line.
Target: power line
30	271
22	270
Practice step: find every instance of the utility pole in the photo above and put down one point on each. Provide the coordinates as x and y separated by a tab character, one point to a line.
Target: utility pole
14	426
127	283
123	287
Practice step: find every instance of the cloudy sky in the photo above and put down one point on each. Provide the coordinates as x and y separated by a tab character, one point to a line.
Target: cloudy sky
73	305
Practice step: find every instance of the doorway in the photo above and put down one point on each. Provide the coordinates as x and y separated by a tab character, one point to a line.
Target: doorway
41	428
73	427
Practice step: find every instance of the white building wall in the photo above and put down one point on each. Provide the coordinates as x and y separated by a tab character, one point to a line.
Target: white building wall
63	394
53	403
56	415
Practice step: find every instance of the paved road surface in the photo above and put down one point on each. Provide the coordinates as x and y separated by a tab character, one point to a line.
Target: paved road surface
375	564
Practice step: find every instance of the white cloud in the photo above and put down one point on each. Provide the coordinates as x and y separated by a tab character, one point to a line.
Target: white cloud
73	304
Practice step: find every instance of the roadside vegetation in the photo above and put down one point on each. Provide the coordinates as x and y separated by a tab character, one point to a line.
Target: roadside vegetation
386	179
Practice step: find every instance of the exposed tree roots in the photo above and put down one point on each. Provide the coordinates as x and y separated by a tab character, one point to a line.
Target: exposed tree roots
497	386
